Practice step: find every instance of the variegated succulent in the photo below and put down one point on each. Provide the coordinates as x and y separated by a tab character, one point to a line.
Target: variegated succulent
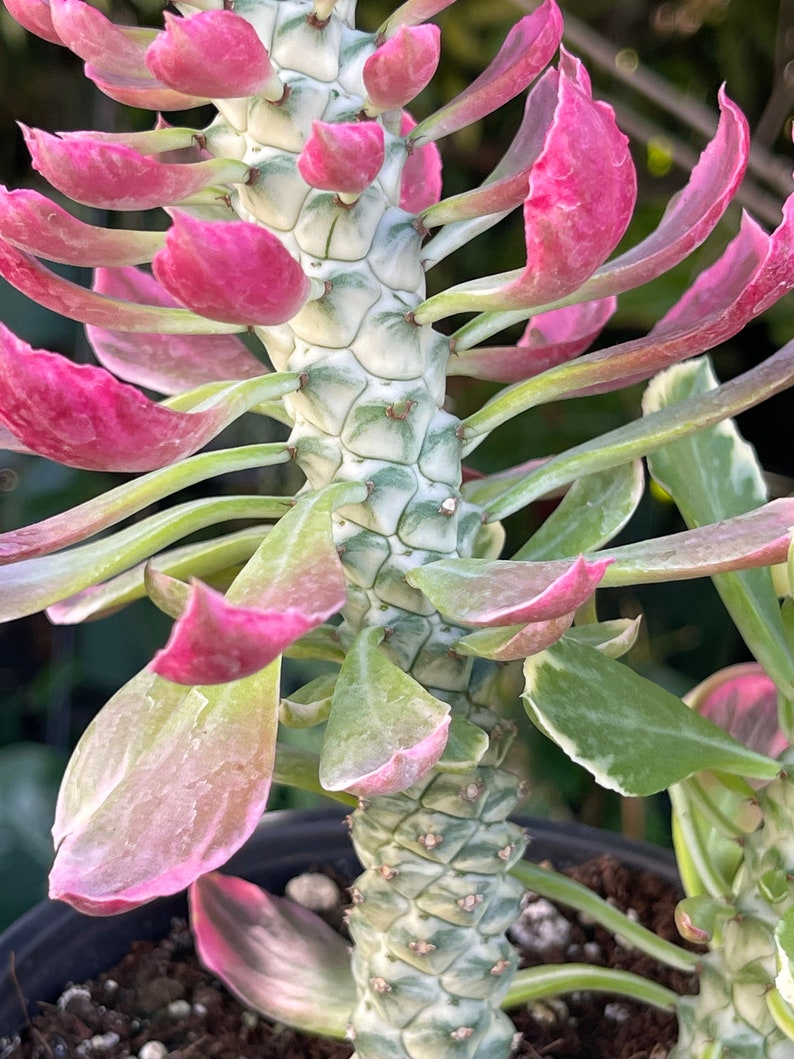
306	216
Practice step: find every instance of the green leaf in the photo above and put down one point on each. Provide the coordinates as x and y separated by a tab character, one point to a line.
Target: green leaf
713	475
309	705
614	637
593	511
466	745
632	735
385	730
644	435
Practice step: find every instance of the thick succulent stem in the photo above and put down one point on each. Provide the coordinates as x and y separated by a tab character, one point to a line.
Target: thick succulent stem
431	960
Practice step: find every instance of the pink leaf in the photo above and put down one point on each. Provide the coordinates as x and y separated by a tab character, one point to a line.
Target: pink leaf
344	157
742	700
292	583
144	92
477	592
34	223
582	191
527	49
275	956
420	184
81	416
507	644
35	16
231	271
166	363
690	215
214	642
550	338
114	55
179	775
405	766
401	67
213	53
69	299
112	176
508	184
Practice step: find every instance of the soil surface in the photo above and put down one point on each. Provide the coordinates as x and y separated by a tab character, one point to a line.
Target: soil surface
159	1002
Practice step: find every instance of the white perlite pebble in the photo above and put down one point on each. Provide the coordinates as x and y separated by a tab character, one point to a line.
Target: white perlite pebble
72	993
616	1012
541	926
178	1009
100	1042
314	891
153	1050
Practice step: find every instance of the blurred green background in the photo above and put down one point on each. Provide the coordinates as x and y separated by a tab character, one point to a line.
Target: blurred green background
660	64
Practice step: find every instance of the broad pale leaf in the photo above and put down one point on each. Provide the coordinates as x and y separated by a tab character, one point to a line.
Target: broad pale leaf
179	775
593	511
712	475
635	737
276	956
385	730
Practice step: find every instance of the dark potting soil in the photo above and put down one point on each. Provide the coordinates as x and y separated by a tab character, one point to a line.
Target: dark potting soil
160	1003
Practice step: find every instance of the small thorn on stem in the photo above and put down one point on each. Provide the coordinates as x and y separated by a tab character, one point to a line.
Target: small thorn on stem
356	895
500	967
380	985
410	318
448	507
430	841
200	140
253	177
421	947
400	409
506	852
462	1033
472	791
387	872
470	902
303	379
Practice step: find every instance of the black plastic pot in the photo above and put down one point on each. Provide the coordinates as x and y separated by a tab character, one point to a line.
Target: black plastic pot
52	944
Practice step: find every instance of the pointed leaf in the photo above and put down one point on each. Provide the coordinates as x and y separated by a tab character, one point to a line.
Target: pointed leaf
401	67
411	13
593	511
119	503
180	775
212	560
713	475
35	16
385	730
292	583
33	584
526	50
240	65
506	644
482	592
32	222
420	183
230	270
550	338
343	156
614	637
467	745
614	722
309	705
164	363
644	436
114	177
81	416
276	957
69	299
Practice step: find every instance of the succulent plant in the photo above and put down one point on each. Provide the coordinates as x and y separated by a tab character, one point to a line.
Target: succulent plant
305	217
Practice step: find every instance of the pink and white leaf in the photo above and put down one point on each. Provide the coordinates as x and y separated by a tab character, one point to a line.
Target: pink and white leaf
240	64
277	957
232	271
527	49
180	775
550	338
385	731
168	364
401	67
35	16
508	185
506	644
214	641
32	222
292	583
496	593
144	91
344	157
743	701
420	181
53	291
690	215
112	176
582	191
81	416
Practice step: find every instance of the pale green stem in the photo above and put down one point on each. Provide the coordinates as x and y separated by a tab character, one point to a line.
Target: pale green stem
533	983
557	887
781	1012
694	790
693	849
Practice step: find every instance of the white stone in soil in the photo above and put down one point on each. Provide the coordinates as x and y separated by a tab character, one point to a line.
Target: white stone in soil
314	891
